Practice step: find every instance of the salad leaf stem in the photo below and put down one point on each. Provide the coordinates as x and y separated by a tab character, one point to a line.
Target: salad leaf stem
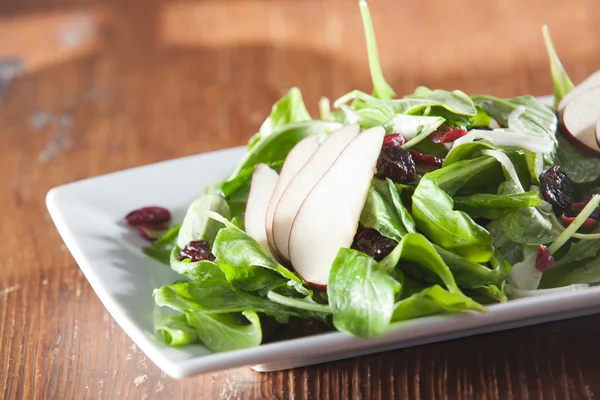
562	82
575	225
298	303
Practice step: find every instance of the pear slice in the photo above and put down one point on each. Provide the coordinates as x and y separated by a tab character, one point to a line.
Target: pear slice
580	120
304	181
590	82
328	218
262	185
295	160
598	133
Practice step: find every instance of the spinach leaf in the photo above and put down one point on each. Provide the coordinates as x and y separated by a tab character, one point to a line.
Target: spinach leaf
580	167
381	89
197	225
477	172
579	251
562	83
252	278
361	294
378	214
486	294
161	249
582	271
416	249
525	225
493	206
198	270
225	332
453	230
176	331
469	274
391	194
433	300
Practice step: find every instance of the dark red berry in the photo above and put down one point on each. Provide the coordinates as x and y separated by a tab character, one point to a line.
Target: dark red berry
587	224
374	244
148	215
426	160
396	163
446	134
306	327
395	139
558	189
575	208
151	232
544	260
196	250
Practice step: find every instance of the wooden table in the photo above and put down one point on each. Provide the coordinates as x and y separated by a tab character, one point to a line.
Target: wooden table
107	85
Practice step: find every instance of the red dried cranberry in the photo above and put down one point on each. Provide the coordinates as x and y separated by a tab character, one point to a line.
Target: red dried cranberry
148	215
196	250
558	189
396	163
306	327
544	260
151	232
395	139
587	224
446	134
426	160
373	244
575	208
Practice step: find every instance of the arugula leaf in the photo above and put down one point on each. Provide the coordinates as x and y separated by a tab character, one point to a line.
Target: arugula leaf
579	251
568	273
225	332
433	300
161	249
391	194
453	230
381	88
580	167
176	331
469	274
487	293
495	206
252	278
198	270
197	225
378	215
562	82
361	294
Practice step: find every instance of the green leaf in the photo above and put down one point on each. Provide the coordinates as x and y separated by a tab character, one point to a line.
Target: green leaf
161	249
580	167
488	293
579	251
198	270
469	274
377	214
581	271
433	300
381	89
252	278
453	230
361	294
197	225
479	173
225	332
493	206
289	109
562	82
416	249
176	331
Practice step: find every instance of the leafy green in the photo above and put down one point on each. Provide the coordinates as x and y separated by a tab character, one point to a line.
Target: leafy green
225	332
584	270
469	274
493	206
381	88
391	194
579	251
161	249
580	167
433	300
361	294
475	173
487	293
562	82
289	109
252	278
198	270
453	230
176	331
197	225
379	215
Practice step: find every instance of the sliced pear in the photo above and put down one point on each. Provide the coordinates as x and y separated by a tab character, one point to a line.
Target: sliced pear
590	82
580	119
262	185
295	160
328	218
598	133
304	181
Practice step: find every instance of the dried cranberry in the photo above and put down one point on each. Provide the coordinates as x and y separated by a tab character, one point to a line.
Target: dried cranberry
395	163
426	160
395	139
196	250
558	189
446	134
306	327
151	232
575	208
587	224
148	215
374	244
543	260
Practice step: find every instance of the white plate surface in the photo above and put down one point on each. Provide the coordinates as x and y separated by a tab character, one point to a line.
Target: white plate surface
89	214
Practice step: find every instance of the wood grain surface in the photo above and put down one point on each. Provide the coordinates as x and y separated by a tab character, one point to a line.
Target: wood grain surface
107	85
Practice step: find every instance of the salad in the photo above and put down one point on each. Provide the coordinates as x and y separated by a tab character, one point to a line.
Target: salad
385	209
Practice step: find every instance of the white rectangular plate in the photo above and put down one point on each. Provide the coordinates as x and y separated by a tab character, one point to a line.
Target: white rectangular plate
89	216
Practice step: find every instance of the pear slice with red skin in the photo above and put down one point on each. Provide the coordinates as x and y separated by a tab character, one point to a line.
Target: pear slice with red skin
590	82
328	218
295	160
580	120
598	133
314	169
262	185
